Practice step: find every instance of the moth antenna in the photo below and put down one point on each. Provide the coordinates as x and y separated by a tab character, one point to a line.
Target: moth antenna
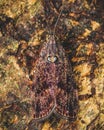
49	30
57	20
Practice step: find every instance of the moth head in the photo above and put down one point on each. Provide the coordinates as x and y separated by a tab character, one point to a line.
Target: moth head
51	51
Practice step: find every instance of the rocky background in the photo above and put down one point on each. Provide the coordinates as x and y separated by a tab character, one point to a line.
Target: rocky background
24	27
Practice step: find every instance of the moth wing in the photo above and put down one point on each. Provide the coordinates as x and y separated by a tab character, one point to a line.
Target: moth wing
67	93
43	103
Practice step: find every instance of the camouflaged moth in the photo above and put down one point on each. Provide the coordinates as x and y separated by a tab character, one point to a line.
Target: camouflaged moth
53	85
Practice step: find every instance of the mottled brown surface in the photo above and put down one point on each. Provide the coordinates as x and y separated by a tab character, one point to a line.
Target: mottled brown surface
24	26
54	88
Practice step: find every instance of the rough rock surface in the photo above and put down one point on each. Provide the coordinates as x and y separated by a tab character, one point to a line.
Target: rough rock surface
24	26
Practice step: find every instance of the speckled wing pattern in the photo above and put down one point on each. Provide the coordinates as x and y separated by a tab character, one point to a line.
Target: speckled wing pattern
53	86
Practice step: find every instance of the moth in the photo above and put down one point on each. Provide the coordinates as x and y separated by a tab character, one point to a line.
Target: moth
53	85
54	88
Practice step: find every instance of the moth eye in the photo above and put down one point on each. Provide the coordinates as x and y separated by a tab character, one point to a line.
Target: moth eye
52	58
